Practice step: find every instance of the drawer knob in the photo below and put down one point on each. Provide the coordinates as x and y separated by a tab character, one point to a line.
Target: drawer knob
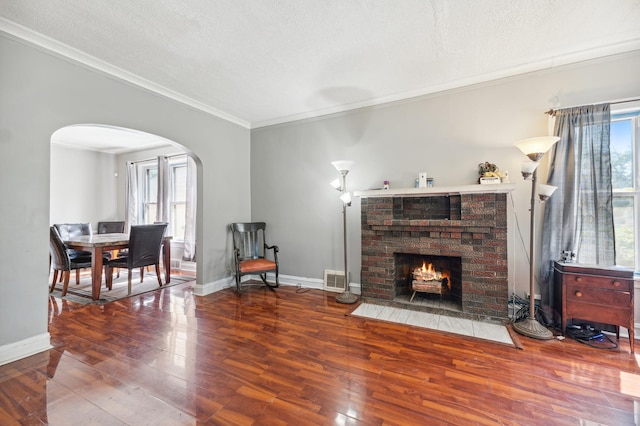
616	283
578	279
578	294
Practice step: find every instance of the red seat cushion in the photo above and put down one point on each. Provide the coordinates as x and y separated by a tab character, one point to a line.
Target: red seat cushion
256	265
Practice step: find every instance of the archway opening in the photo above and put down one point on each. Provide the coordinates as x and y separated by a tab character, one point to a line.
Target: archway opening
88	182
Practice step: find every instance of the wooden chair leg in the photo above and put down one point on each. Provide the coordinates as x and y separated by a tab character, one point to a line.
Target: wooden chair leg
142	274
158	274
129	280
108	277
114	254
54	280
67	277
77	276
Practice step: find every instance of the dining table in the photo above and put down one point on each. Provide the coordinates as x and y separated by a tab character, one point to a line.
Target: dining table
98	244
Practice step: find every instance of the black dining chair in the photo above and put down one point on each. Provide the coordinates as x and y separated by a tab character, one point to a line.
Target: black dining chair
62	262
113	227
70	230
145	245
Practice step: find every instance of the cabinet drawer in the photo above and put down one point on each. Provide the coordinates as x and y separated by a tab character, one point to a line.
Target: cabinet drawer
590	312
598	296
610	283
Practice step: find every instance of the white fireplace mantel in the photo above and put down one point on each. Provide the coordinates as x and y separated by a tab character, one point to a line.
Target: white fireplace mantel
438	190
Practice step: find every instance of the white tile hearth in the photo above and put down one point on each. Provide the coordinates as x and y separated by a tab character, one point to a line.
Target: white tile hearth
465	327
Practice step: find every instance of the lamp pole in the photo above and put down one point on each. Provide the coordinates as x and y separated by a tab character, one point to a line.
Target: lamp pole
346	296
530	327
534	148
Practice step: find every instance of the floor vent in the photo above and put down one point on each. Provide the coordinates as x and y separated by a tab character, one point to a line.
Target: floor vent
176	264
334	281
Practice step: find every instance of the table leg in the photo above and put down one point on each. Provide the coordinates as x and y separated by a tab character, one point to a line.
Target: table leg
96	272
166	248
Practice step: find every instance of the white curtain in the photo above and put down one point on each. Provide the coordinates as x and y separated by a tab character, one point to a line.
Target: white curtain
163	202
162	213
190	212
132	213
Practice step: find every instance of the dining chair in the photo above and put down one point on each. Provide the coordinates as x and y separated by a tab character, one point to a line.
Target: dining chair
113	227
145	245
69	230
62	262
250	253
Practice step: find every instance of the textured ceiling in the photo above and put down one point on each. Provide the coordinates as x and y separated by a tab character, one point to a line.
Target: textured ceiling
261	62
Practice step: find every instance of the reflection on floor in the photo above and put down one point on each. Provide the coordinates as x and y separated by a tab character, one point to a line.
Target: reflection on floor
466	327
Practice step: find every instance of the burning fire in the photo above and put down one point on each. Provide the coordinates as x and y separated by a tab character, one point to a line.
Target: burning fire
427	273
426	276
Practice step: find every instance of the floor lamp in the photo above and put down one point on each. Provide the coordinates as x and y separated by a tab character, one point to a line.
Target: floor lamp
343	167
534	148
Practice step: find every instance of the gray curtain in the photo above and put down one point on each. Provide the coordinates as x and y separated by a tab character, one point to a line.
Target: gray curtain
131	201
579	215
162	213
190	212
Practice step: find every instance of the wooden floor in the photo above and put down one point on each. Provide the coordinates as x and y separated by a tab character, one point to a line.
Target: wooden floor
289	357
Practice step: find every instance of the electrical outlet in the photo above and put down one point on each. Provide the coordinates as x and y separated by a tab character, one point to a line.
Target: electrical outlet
536	296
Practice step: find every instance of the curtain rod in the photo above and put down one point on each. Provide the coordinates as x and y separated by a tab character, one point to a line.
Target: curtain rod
553	111
156	157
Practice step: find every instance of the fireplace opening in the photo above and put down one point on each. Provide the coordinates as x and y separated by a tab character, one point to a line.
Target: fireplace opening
428	280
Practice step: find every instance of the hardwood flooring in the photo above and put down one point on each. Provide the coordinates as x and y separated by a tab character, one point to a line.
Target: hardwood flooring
293	357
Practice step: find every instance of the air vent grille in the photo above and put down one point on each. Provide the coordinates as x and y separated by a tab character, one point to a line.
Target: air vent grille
334	281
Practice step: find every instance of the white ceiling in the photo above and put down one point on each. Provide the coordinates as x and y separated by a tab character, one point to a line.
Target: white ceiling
108	139
262	62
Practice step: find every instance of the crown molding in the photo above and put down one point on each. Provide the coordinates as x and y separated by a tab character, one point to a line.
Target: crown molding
599	53
49	44
34	38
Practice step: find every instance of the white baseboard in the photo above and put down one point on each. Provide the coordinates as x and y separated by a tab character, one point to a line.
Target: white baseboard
289	280
24	348
209	288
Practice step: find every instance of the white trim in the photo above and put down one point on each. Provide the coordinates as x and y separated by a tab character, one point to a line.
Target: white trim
209	288
437	190
24	348
285	280
302	282
76	55
598	53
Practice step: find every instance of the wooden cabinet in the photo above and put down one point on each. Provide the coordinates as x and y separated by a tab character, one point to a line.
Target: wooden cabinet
595	293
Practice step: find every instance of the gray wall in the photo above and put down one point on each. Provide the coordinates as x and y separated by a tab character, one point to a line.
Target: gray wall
447	135
41	93
286	183
83	186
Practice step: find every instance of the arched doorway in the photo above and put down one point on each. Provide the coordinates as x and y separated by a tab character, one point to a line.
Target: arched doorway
89	166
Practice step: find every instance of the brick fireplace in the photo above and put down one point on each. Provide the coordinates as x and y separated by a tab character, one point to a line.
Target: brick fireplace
461	230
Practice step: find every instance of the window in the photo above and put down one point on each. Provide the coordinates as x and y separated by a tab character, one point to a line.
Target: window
150	191
625	175
178	198
177	194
